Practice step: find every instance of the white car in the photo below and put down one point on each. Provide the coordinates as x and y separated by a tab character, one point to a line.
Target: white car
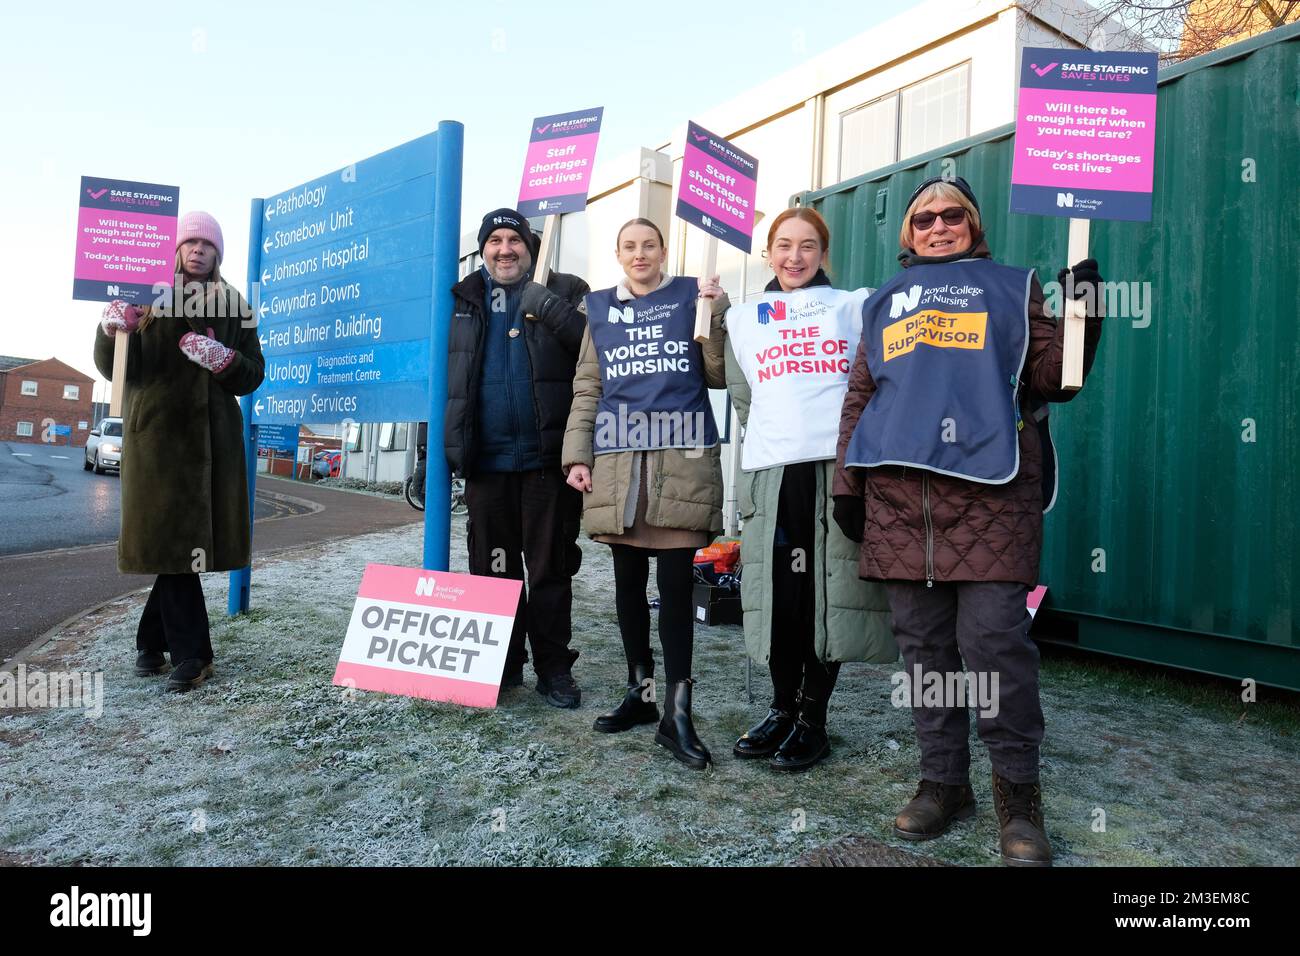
104	447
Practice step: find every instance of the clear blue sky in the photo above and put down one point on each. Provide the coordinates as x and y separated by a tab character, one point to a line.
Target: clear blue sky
240	99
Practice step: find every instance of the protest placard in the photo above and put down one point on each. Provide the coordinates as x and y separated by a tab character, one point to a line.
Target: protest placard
716	193
1085	148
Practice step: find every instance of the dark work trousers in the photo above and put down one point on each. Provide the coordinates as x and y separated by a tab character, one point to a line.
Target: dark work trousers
793	658
175	619
675	575
529	519
985	623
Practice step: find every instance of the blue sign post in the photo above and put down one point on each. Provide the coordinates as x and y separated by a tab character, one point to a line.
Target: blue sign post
350	276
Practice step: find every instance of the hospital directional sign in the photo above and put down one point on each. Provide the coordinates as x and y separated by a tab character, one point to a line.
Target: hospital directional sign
345	292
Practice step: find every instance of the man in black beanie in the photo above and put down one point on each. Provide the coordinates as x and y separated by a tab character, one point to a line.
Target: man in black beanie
513	349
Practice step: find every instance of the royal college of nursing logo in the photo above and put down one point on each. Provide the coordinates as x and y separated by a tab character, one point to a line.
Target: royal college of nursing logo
624	315
767	311
904	301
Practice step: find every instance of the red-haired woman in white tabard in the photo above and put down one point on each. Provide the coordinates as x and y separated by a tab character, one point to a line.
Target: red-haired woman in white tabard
805	610
184	483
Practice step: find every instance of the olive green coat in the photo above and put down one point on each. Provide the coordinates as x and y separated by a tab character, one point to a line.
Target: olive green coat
852	620
685	484
184	484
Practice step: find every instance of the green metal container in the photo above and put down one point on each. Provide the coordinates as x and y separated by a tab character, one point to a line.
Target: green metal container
1173	539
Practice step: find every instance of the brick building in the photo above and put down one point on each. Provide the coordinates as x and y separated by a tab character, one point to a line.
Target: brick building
34	393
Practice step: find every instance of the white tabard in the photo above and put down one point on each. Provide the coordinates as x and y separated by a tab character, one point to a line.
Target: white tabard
796	349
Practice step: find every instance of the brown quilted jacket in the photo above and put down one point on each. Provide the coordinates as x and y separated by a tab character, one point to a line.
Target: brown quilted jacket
926	526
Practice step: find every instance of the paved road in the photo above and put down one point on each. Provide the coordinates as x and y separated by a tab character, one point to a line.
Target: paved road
39	590
48	500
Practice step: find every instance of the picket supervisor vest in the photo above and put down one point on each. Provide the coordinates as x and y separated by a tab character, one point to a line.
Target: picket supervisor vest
945	344
796	350
653	393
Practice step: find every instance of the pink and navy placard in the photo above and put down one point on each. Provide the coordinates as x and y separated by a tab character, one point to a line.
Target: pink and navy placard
1085	134
126	239
429	634
718	185
557	169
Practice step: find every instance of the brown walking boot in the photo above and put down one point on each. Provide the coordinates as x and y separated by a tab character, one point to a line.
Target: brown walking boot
935	806
1020	823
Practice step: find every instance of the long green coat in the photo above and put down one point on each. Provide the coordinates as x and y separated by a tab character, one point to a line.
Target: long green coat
184	484
852	620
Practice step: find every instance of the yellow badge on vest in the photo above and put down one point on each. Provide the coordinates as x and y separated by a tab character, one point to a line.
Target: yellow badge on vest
944	330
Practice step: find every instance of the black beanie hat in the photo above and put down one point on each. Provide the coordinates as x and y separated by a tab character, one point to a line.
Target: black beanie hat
962	186
506	218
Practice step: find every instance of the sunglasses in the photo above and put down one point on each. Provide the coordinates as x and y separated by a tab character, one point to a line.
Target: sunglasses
952	216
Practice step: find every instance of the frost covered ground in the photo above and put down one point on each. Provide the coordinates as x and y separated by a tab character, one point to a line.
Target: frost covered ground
271	764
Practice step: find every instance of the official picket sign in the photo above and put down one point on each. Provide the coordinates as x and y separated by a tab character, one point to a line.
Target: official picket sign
344	297
126	239
718	186
796	350
558	165
429	634
1085	134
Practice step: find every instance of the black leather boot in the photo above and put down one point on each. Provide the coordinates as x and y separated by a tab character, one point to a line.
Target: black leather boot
189	674
935	806
807	742
638	704
148	663
1021	833
763	738
676	732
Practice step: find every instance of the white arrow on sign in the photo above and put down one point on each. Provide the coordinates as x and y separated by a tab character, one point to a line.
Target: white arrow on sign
257	407
262	339
266	245
269	213
261	311
266	276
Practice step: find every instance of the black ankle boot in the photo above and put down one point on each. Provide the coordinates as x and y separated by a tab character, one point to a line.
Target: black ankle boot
763	738
807	742
676	732
635	708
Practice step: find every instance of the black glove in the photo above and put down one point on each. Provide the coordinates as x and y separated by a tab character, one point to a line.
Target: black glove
1086	277
851	515
533	299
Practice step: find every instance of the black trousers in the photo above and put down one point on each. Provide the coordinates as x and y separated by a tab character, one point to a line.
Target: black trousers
675	575
175	619
793	659
529	520
986	624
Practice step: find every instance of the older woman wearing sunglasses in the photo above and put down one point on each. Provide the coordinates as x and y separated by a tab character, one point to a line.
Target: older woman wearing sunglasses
944	471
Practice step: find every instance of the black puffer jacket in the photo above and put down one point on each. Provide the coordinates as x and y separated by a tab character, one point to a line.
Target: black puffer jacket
553	339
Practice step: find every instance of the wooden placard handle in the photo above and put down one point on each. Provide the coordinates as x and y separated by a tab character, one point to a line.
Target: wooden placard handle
704	307
120	343
543	270
1075	312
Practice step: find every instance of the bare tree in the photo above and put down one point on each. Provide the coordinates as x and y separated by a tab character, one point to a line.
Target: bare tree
1178	29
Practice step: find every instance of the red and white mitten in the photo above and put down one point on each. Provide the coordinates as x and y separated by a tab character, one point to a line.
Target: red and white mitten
119	317
206	351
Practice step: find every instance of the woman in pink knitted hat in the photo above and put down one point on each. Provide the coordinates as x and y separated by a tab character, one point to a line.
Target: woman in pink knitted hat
184	485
